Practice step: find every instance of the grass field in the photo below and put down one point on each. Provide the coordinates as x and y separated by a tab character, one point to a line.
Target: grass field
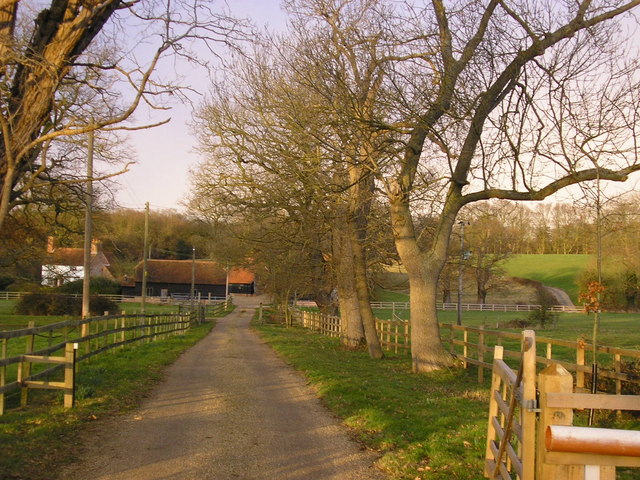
560	271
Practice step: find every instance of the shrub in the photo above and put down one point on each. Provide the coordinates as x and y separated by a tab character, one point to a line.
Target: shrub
56	304
99	286
544	315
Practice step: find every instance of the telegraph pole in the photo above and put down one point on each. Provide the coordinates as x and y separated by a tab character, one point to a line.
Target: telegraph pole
193	274
88	234
145	255
460	272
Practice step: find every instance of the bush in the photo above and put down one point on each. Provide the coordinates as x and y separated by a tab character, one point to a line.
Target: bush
56	304
5	281
544	315
99	286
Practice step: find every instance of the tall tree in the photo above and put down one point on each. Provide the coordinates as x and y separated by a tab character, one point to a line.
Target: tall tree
495	90
57	83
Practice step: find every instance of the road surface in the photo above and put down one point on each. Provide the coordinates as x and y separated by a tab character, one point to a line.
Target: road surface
229	409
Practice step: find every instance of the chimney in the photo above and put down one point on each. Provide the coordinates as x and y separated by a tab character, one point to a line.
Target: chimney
51	246
96	246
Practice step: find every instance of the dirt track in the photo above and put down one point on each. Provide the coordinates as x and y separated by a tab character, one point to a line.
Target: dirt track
229	409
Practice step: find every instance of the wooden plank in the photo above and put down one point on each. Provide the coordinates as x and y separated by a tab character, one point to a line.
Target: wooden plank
503	370
3	373
566	458
516	463
43	359
596	401
44	384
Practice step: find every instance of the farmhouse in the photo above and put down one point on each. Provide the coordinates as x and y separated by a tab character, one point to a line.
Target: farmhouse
63	265
166	278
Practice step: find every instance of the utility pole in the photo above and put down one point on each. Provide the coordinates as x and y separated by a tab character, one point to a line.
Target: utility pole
145	255
88	234
193	274
460	271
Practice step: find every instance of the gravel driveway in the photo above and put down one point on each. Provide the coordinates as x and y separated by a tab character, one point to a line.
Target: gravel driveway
229	409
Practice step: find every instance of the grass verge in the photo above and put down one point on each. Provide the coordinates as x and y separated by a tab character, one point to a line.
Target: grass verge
425	426
40	437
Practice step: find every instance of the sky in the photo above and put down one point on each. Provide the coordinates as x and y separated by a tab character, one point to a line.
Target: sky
164	155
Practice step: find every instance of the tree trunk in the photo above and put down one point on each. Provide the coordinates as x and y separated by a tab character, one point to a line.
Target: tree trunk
427	351
423	268
362	291
350	319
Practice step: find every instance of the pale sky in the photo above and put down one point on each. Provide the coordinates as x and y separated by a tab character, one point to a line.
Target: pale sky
165	154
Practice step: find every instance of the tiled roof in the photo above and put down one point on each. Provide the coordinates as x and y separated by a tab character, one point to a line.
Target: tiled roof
66	256
179	271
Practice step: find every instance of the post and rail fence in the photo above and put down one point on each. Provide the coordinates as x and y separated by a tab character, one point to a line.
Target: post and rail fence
26	354
474	346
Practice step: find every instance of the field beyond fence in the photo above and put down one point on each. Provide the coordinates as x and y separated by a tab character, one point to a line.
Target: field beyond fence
619	370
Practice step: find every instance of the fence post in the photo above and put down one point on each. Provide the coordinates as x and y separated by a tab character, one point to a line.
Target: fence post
580	363
3	374
259	314
617	365
465	349
554	379
527	413
451	338
24	368
481	354
69	375
123	326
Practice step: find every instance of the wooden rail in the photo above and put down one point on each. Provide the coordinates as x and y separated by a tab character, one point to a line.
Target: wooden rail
481	307
28	357
474	346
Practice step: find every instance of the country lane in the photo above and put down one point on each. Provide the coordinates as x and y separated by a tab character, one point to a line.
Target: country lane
228	409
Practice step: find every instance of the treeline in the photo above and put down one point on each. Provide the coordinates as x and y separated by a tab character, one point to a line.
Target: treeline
172	235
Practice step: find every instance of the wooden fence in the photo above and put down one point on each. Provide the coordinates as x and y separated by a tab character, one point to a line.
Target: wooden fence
474	346
481	307
530	433
25	354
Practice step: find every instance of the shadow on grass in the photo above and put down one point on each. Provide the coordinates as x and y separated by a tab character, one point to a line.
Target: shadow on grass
430	425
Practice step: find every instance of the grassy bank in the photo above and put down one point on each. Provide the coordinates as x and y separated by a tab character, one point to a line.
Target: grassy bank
34	440
560	271
427	426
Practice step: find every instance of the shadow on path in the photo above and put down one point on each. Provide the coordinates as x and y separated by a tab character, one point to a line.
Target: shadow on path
229	409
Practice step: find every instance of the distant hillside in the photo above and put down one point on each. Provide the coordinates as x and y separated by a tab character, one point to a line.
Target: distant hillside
560	271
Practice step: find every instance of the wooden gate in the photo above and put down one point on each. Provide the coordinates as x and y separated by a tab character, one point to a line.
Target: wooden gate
531	433
512	415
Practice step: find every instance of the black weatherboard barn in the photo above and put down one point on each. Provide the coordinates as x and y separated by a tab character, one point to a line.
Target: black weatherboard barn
173	277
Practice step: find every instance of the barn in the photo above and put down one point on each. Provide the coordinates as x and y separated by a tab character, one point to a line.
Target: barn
171	278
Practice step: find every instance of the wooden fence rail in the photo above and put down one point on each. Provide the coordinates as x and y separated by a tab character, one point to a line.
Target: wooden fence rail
481	307
474	346
27	353
530	432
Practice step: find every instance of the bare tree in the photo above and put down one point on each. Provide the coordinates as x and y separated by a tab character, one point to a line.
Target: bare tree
64	72
489	114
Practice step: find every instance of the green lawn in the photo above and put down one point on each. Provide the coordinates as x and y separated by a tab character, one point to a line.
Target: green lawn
558	271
